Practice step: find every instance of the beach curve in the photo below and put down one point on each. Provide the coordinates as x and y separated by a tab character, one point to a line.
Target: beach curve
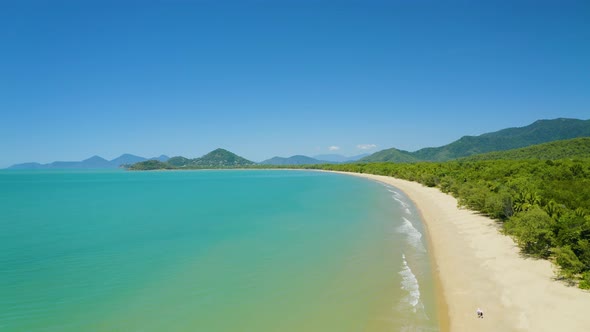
478	267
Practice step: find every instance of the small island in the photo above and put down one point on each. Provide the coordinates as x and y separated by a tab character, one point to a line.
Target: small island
218	158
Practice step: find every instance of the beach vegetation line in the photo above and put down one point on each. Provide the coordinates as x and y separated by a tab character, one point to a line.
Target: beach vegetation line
543	204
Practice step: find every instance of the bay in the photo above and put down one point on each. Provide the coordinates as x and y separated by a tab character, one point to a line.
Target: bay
232	250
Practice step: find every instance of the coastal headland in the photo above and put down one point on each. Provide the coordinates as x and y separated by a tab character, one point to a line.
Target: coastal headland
478	267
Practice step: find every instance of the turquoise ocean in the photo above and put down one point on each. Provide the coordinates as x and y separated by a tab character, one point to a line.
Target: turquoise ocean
234	250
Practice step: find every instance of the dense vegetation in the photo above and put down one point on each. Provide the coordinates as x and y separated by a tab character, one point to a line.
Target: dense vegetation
543	204
150	165
539	132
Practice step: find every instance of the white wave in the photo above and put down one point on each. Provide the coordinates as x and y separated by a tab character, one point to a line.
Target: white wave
404	204
414	236
410	284
392	190
395	192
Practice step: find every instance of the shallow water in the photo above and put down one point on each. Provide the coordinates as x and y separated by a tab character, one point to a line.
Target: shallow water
210	251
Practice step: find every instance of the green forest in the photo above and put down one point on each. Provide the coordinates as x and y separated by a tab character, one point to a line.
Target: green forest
543	204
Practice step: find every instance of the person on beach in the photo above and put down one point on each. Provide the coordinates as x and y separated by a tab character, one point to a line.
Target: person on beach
479	313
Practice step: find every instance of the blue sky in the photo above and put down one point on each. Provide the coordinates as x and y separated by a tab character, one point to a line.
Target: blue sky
266	78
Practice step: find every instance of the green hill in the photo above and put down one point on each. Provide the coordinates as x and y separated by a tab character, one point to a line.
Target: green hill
218	158
391	155
178	161
576	148
539	132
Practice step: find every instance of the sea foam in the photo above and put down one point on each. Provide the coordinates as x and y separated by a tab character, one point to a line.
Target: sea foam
410	284
398	197
414	237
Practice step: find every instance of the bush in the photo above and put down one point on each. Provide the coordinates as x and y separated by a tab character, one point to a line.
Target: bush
498	206
569	229
430	180
532	230
568	262
582	250
585	282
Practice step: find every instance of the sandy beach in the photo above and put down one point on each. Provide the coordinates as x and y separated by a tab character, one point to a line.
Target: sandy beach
478	267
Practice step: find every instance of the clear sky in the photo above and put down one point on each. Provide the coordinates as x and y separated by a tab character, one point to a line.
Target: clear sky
267	78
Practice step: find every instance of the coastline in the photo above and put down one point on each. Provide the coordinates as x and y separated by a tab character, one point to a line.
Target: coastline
477	267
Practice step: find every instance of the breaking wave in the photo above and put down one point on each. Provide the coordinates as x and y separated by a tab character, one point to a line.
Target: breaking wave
410	284
414	237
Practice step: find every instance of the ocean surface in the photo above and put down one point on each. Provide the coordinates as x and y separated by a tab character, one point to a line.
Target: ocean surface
210	251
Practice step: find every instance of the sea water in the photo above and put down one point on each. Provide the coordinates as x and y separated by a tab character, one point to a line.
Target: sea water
251	250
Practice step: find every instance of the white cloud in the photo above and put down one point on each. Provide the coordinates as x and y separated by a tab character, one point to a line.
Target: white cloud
334	148
366	146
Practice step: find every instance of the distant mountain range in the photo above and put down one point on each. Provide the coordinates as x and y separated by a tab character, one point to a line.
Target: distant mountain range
337	158
293	160
541	131
305	160
94	162
221	158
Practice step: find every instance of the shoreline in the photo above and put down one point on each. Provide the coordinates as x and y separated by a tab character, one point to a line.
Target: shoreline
475	266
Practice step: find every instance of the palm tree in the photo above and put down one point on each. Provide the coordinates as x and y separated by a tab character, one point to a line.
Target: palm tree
526	200
554	210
